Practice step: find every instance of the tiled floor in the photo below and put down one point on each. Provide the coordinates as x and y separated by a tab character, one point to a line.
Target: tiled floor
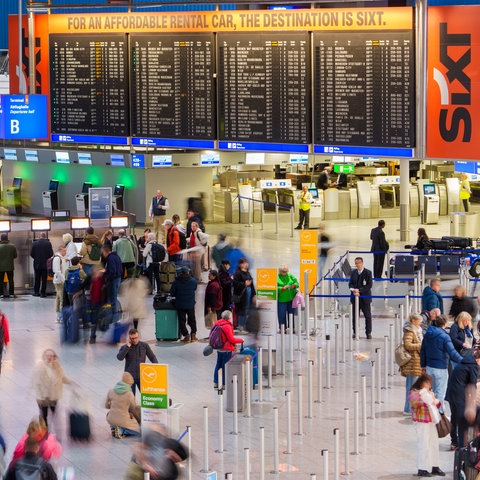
386	452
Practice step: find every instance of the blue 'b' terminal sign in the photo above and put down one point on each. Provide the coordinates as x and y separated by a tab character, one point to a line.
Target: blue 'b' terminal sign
23	117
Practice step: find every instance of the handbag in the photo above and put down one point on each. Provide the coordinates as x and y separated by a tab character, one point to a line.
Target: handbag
402	355
210	319
237	297
443	426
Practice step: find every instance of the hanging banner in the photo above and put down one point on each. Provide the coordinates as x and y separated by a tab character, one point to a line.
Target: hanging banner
266	287
100	206
154	394
308	257
453	91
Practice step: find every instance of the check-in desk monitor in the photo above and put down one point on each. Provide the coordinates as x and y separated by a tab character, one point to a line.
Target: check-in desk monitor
81	199
118	193
50	197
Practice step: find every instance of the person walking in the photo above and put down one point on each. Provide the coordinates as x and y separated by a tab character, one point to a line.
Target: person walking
8	253
225	280
125	250
422	401
41	251
59	268
158	214
196	249
379	248
360	285
465	191
304	203
225	353
220	249
90	251
462	303
112	275
437	348
213	294
412	342
4	336
287	286
243	292
153	249
135	352
183	290
431	296
48	380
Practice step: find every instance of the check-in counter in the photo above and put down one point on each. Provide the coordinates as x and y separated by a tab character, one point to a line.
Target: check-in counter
364	199
343	204
442	193
475	187
331	202
464	224
269	196
374	201
353	202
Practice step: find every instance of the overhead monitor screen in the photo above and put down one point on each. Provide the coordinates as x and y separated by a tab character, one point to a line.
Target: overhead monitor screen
162	160
17	182
296	158
62	157
117	160
53	185
86	186
211	158
254	158
84	158
9	154
31	155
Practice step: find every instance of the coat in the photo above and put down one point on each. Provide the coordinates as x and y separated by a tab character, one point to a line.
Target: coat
464	374
183	289
41	251
121	405
412	344
379	242
239	279
124	248
226	283
363	282
230	339
88	241
134	356
286	294
213	295
463	304
48	384
8	253
458	336
431	299
219	252
437	348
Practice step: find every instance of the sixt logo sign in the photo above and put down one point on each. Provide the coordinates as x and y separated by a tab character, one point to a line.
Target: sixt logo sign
455	86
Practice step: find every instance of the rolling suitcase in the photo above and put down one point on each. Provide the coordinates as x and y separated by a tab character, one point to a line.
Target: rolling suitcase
70	325
166	319
79	426
441	244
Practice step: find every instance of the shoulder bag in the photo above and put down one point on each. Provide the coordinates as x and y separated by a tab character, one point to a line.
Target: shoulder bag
402	355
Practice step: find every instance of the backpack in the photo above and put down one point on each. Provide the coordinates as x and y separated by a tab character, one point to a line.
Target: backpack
95	252
73	281
50	271
203	243
29	471
157	252
216	337
183	239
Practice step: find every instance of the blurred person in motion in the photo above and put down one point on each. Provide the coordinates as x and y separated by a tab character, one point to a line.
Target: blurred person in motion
422	403
30	465
124	413
462	303
124	248
95	299
465	191
220	249
3	450
152	248
287	286
324	247
225	280
59	268
196	249
41	251
48	380
213	294
193	216
412	341
112	276
234	255
243	292
8	253
4	336
132	294
50	448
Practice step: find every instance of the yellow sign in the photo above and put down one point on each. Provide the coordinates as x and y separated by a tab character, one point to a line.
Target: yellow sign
308	257
331	19
267	279
153	378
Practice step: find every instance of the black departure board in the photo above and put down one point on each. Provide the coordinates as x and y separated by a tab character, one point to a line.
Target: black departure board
264	87
364	89
89	84
172	85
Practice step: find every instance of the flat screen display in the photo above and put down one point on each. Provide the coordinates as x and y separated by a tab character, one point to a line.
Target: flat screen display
117	160
84	158
212	158
62	157
17	182
254	158
86	186
119	190
162	160
5	226
296	158
79	223
10	154
429	189
138	160
313	192
31	155
53	185
41	224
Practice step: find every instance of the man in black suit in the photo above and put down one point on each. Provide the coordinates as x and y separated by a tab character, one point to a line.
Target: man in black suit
379	244
323	179
360	284
41	251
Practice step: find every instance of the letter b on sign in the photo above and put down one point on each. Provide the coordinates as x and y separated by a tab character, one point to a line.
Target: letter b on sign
14	127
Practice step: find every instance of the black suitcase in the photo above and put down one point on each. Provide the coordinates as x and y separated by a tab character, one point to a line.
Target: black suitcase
80	426
459	242
440	244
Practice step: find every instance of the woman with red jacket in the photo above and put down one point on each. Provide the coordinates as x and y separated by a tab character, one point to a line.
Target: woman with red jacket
4	335
213	294
225	353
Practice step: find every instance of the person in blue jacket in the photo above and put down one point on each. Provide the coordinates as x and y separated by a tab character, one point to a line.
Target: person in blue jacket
437	348
431	297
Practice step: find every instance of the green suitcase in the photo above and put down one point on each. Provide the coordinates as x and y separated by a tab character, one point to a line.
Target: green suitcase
166	325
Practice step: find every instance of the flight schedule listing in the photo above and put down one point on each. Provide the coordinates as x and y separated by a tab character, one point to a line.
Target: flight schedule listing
172	86
89	84
364	89
263	87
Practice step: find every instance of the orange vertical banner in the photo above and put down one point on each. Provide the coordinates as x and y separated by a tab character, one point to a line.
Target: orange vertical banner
308	257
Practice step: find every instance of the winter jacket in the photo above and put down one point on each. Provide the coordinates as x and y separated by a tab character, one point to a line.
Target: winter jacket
285	293
59	267
230	339
464	374
113	267
239	288
420	412
86	248
213	295
431	299
134	356
463	304
6	332
124	248
49	447
458	336
173	241
412	345
183	289
121	402
226	283
41	251
48	382
8	253
219	252
437	348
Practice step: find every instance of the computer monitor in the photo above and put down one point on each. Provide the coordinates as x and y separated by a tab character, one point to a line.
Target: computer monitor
118	190
86	186
429	189
17	182
62	157
117	160
313	192
53	185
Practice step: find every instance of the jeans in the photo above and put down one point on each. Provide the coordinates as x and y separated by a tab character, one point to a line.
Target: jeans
222	359
409	381
284	309
439	386
127	431
322	261
87	268
242	317
113	293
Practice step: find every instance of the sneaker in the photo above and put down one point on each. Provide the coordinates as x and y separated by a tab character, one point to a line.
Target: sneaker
424	473
369	337
215	386
438	472
407	414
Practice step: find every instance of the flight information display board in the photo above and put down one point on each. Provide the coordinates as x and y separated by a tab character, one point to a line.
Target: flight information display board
89	84
172	85
364	86
263	87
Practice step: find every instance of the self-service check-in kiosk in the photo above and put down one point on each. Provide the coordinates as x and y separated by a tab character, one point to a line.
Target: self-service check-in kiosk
50	197
431	204
81	199
118	193
13	197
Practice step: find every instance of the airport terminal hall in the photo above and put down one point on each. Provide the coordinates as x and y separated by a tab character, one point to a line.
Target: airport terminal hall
239	240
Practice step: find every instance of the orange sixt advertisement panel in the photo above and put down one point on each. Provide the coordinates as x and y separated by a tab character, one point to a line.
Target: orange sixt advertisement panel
453	92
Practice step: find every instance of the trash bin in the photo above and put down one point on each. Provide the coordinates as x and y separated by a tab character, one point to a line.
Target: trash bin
236	366
464	224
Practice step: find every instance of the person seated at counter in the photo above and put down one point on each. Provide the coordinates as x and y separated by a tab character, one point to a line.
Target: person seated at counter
342	181
423	242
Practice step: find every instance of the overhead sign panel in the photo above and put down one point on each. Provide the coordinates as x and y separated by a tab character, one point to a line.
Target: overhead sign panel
23	117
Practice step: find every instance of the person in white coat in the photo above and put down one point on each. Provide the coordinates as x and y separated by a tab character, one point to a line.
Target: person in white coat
59	267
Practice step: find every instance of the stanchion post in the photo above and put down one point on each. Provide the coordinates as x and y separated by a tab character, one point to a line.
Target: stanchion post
282	343
260	374
189	447
205	468
385	362
300	404
288	394
319	375
248	393
322	309
276	215
344	343
364	406
356	315
346	439
315	311
325	463
391	331
276	457
336	454
146	476
306	295
350	329
235	404
299	328
246	463
262	453
269	366
292	220
372	392
355	423
378	351
335	368
327	363
309	389
220	421
290	338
